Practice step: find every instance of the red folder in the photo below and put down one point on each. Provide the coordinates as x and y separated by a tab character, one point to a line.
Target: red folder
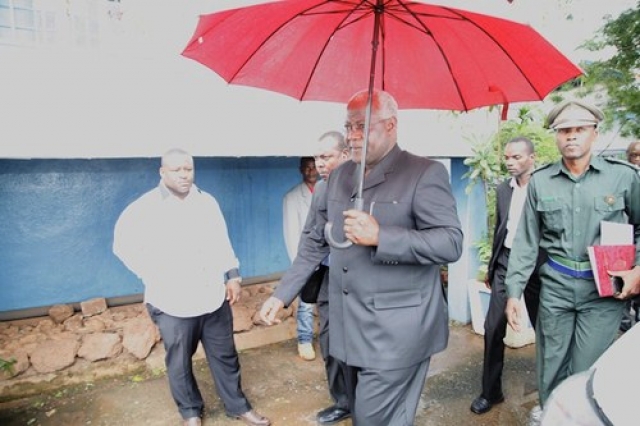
610	258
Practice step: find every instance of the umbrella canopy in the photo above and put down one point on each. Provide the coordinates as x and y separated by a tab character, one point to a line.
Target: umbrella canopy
426	56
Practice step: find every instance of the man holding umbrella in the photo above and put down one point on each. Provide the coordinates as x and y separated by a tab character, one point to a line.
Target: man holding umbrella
386	303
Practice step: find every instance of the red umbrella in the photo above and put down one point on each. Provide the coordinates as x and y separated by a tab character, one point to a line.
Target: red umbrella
426	56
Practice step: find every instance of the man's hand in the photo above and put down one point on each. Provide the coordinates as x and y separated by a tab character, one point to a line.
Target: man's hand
233	290
361	228
269	310
631	280
513	313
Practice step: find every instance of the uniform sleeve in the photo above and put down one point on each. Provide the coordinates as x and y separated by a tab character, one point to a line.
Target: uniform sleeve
524	253
632	201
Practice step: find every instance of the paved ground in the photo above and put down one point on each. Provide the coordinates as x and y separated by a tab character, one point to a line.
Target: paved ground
288	390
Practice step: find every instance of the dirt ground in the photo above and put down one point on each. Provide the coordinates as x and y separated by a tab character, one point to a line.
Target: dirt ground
285	388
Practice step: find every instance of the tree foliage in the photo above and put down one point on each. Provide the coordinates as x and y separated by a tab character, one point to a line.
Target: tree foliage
619	75
487	167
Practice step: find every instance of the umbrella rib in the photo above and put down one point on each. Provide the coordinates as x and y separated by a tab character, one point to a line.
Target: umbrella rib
499	45
340	26
275	31
444	56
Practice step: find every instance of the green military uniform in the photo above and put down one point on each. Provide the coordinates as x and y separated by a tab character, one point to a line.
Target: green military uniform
562	215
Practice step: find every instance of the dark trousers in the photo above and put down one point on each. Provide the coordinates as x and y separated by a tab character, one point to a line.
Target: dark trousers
334	367
180	337
495	326
385	397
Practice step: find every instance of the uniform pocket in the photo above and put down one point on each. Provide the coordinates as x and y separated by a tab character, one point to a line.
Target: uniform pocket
552	215
608	205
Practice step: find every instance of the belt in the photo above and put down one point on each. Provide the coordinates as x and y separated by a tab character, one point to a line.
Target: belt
570	267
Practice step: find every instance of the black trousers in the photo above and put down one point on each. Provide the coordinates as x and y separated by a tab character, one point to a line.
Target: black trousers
495	326
385	397
180	337
334	368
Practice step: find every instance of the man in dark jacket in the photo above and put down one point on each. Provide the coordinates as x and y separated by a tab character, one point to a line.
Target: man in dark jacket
519	157
387	308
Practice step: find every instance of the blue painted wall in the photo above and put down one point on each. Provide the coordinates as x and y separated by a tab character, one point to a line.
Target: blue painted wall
472	212
57	219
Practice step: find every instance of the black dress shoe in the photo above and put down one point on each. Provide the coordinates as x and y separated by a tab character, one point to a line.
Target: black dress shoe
625	324
481	405
332	415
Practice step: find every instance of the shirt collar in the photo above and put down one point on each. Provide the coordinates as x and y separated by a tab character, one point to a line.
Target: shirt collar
165	193
513	183
596	162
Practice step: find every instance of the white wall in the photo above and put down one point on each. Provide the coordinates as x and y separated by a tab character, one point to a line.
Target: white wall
136	96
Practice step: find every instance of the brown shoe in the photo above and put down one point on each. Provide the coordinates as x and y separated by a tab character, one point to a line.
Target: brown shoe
192	421
252	418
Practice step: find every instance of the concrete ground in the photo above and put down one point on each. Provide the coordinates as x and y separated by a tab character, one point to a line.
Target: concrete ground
285	388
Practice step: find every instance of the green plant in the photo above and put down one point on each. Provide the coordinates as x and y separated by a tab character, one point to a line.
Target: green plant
486	166
484	246
7	365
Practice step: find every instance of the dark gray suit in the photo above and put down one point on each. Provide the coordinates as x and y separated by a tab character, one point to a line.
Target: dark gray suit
334	368
386	303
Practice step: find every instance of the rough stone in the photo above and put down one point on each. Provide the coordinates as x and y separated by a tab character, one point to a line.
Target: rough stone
20	365
31	339
74	323
139	336
54	355
93	325
98	346
93	306
59	313
242	320
43	326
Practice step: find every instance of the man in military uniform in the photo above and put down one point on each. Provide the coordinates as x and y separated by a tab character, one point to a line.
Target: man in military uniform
566	201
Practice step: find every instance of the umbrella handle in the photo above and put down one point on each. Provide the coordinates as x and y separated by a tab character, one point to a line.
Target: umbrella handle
328	228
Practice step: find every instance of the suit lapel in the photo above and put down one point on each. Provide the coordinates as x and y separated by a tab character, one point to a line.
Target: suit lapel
379	173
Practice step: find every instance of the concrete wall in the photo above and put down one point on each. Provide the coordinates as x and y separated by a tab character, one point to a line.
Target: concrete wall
58	218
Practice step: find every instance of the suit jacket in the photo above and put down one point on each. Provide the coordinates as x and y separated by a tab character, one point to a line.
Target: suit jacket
504	191
295	206
386	305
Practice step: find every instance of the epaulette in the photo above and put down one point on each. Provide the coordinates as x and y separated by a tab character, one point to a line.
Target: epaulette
617	160
544	166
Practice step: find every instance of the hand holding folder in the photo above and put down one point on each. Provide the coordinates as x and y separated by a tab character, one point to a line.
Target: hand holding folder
616	252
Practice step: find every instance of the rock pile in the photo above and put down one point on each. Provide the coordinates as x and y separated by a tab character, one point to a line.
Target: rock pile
97	334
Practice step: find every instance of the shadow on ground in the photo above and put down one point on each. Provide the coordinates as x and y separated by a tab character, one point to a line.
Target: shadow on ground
287	389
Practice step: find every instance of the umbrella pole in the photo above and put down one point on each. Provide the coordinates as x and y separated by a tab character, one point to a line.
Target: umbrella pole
359	201
375	41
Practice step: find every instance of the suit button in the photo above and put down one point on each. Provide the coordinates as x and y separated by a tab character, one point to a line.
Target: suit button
345	269
345	291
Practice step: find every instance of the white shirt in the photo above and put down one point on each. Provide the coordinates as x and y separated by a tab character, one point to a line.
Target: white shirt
180	249
518	197
295	208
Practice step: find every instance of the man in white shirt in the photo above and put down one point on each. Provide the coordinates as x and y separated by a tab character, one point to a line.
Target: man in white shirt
175	239
295	208
519	158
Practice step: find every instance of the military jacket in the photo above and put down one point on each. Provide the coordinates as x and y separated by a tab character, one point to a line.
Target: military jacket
562	214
